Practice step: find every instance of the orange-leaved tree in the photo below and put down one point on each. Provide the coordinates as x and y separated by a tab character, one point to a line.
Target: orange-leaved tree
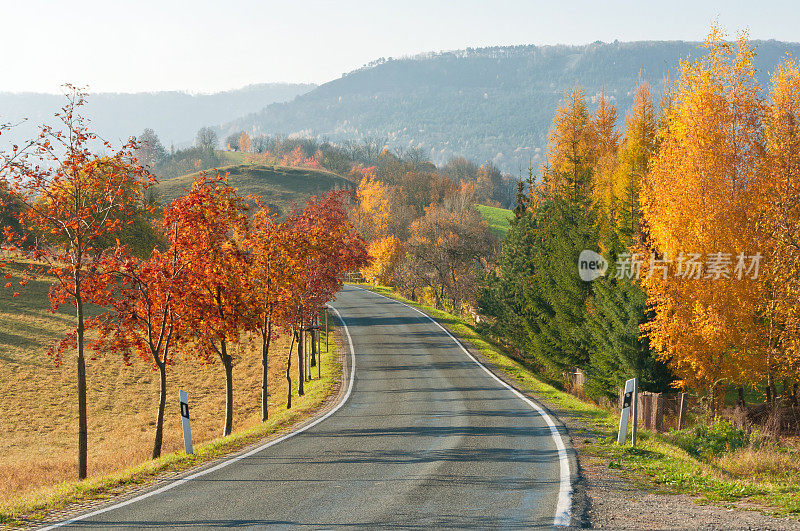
779	223
74	201
209	229
571	150
606	140
143	317
270	244
244	142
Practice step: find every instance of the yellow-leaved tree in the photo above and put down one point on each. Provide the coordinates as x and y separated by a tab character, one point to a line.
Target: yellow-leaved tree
385	254
698	203
571	150
779	221
244	142
635	152
606	140
372	212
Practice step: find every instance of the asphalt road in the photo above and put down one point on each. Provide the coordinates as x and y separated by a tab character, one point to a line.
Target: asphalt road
427	438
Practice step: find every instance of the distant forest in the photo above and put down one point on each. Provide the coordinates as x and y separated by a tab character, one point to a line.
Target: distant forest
488	105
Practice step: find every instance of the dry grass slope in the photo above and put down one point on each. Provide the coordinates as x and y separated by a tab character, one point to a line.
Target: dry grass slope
281	187
38	411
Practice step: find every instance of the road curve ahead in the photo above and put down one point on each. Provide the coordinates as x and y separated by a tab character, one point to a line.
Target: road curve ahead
427	438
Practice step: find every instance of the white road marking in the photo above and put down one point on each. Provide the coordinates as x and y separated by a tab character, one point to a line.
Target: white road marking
563	507
237	458
564	504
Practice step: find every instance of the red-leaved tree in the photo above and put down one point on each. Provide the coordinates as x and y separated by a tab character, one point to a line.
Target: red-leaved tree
143	317
268	242
210	227
325	247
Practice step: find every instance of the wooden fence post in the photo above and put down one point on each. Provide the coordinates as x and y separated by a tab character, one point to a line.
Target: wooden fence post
682	412
645	410
658	413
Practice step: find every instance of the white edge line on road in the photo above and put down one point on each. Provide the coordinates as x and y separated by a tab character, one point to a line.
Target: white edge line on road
236	458
564	504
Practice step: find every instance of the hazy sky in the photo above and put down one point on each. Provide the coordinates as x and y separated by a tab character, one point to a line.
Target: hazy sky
205	46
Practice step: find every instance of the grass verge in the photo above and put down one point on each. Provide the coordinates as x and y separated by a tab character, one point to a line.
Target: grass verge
35	506
655	459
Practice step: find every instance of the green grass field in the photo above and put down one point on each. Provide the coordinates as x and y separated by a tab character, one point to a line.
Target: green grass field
281	187
497	218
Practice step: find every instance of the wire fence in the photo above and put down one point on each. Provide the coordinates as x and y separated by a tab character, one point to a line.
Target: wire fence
662	412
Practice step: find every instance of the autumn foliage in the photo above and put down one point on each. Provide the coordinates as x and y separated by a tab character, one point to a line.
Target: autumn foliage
74	203
719	187
385	253
225	271
695	209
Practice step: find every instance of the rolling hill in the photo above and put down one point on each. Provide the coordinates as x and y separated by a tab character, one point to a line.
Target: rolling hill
497	218
281	188
491	104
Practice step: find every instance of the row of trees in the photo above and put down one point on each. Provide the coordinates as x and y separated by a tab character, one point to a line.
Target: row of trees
709	182
408	168
226	269
422	230
725	181
587	199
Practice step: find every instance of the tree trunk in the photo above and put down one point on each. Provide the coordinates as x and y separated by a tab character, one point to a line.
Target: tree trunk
83	430
301	370
436	296
772	395
162	402
712	406
266	337
289	374
740	401
227	362
313	362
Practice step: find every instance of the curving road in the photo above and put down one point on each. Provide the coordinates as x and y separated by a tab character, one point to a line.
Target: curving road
427	438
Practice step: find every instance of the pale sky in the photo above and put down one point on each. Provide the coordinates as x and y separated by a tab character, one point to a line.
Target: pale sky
206	46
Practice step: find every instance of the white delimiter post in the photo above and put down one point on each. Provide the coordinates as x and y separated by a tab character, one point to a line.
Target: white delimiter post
187	429
628	407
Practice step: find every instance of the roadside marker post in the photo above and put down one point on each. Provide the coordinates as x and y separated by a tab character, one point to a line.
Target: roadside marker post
187	429
629	409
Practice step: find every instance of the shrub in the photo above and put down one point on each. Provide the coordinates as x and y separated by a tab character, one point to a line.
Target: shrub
707	441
